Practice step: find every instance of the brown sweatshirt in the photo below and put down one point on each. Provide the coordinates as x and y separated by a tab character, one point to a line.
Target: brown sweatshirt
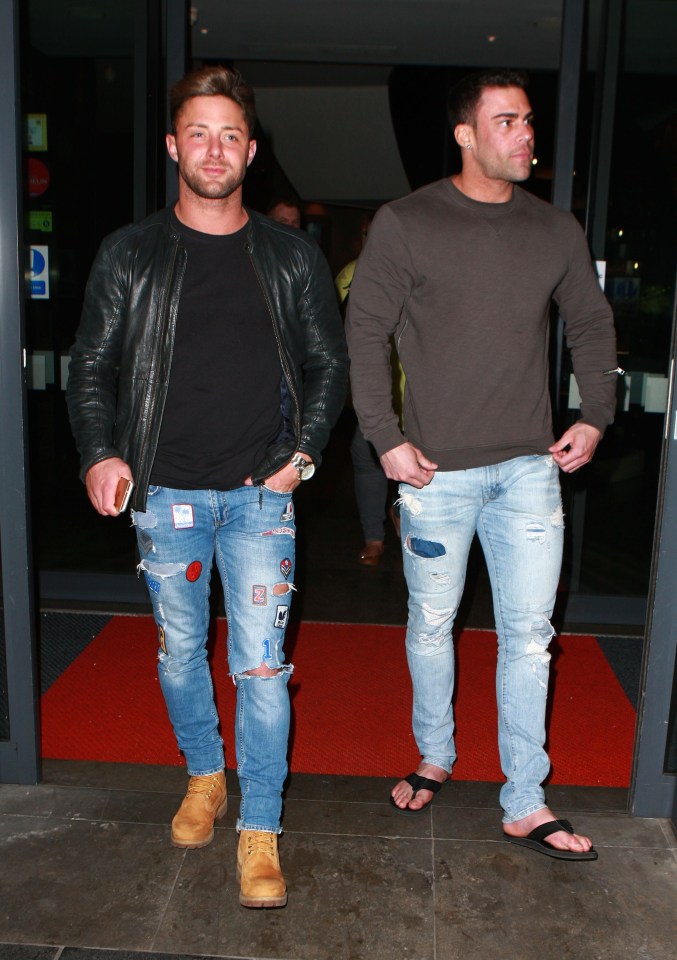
465	288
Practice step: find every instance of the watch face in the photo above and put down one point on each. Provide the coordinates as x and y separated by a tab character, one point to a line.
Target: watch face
305	468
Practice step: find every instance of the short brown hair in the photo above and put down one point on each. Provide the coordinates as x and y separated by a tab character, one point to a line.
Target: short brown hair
213	81
467	93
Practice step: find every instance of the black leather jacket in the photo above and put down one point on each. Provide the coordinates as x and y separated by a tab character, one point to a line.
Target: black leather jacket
122	356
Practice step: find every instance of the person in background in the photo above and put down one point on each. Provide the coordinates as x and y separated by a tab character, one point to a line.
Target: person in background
284	210
209	367
371	483
462	273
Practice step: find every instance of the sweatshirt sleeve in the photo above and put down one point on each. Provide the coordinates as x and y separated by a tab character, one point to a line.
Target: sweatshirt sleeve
590	335
383	279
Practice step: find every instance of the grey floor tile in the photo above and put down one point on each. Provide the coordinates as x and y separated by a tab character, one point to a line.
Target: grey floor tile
465	823
495	900
135	806
21	951
604	829
77	953
610	799
114	776
308	786
349	899
352	819
82	883
34	801
45	800
621	831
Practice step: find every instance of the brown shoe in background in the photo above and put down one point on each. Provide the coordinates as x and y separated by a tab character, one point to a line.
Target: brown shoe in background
205	802
258	870
372	553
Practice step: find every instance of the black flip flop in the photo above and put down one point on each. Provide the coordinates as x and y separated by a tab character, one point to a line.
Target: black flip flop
536	841
418	783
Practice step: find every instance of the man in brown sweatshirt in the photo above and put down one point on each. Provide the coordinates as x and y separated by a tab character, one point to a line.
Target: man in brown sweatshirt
462	273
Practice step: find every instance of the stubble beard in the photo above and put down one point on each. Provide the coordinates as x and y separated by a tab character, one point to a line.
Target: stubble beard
211	190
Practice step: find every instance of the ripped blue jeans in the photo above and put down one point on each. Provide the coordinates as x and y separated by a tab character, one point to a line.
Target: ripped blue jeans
516	509
251	533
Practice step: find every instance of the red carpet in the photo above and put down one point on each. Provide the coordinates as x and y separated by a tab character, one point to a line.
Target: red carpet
351	710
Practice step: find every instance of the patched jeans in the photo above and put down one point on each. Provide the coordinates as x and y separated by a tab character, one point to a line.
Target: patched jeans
516	509
251	531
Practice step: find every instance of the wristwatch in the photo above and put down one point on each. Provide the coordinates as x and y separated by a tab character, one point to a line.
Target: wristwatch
304	468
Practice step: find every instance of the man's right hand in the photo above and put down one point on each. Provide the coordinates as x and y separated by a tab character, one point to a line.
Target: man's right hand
101	482
406	464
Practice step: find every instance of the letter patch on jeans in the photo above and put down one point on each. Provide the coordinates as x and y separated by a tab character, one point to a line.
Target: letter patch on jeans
182	514
288	512
282	616
259	595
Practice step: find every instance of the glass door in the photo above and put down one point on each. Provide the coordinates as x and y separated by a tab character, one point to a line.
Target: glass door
624	194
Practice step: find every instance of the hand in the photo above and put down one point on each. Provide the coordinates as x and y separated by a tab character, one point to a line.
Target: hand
101	482
575	447
286	480
408	465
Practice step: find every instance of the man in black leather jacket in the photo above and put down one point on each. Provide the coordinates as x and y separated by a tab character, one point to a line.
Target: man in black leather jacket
209	368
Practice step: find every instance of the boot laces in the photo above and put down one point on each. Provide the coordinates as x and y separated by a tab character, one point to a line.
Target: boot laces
260	842
202	785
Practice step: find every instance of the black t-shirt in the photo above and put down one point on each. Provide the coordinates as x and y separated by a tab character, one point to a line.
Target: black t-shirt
223	403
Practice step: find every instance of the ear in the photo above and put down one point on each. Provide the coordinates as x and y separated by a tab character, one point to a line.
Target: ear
252	151
170	140
463	135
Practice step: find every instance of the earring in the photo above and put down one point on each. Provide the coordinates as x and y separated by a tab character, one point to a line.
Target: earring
468	146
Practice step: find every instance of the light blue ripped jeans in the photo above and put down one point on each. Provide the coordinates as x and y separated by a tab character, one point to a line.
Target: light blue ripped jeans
516	509
251	532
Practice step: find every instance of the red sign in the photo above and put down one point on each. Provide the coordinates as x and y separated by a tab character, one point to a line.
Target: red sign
38	177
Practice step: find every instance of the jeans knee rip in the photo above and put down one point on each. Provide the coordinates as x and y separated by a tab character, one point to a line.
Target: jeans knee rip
557	516
144	520
282	588
411	503
425	549
281	670
441	579
537	649
161	570
435	618
434	640
536	532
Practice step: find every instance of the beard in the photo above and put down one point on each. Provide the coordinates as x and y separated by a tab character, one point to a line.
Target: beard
209	189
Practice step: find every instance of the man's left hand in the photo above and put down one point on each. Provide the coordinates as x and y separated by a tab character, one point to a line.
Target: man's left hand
286	480
575	447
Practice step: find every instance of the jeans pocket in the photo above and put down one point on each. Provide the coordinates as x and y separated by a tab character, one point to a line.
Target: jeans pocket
153	488
277	493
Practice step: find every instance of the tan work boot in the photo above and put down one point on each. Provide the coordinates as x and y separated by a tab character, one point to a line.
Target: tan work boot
258	870
205	802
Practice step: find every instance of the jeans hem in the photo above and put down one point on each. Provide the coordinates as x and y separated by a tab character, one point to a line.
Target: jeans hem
533	808
206	773
257	828
445	765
